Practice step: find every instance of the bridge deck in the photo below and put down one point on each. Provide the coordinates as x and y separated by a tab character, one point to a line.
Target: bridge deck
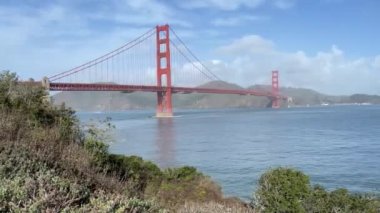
135	88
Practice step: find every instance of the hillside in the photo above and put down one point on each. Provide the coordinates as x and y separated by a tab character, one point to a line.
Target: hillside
99	101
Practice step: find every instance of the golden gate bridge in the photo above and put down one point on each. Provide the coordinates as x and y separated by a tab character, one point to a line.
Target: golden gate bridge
153	62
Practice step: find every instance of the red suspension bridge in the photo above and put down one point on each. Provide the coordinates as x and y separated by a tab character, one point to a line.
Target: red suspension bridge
153	62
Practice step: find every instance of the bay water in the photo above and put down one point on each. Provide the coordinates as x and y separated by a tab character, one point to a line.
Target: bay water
337	146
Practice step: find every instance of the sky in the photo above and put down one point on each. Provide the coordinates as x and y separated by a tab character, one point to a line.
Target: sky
332	46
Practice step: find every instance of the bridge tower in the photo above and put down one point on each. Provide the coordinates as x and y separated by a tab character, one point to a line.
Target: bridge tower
275	90
164	97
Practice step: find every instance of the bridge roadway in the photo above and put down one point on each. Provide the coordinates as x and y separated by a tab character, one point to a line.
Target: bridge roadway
140	88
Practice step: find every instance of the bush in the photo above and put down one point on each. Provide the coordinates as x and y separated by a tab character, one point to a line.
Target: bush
187	184
318	200
103	202
28	185
289	190
214	207
138	172
7	81
340	200
282	190
183	173
98	150
30	103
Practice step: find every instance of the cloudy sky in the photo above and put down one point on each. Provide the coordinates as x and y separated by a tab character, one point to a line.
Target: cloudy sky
332	46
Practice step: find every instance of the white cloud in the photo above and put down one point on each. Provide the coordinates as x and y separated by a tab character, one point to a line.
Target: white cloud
250	59
221	4
236	20
235	4
244	44
216	62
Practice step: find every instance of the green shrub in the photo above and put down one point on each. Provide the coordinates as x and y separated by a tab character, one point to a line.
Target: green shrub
340	200
317	201
38	189
29	104
282	190
103	202
187	184
98	150
138	172
289	190
214	207
182	173
7	81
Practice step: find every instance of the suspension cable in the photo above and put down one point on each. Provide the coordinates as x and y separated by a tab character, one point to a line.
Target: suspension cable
190	61
192	54
104	57
57	76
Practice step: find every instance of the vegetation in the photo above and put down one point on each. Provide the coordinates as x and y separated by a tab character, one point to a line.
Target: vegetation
289	190
282	190
48	163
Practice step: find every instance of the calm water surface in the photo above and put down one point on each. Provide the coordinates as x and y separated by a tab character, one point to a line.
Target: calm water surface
337	146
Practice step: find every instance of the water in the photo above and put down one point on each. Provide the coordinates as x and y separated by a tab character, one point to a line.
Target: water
337	146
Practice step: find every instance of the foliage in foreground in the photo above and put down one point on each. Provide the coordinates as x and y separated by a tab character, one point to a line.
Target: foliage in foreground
32	186
289	190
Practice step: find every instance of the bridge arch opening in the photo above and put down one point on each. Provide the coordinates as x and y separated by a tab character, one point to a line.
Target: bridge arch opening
162	48
164	80
163	63
162	35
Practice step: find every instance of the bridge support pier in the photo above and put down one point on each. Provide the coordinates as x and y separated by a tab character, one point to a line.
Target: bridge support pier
164	97
275	90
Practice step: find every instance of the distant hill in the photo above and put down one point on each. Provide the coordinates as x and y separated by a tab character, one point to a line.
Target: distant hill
363	98
310	97
99	101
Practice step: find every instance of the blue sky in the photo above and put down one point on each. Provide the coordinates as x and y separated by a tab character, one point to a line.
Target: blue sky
329	45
